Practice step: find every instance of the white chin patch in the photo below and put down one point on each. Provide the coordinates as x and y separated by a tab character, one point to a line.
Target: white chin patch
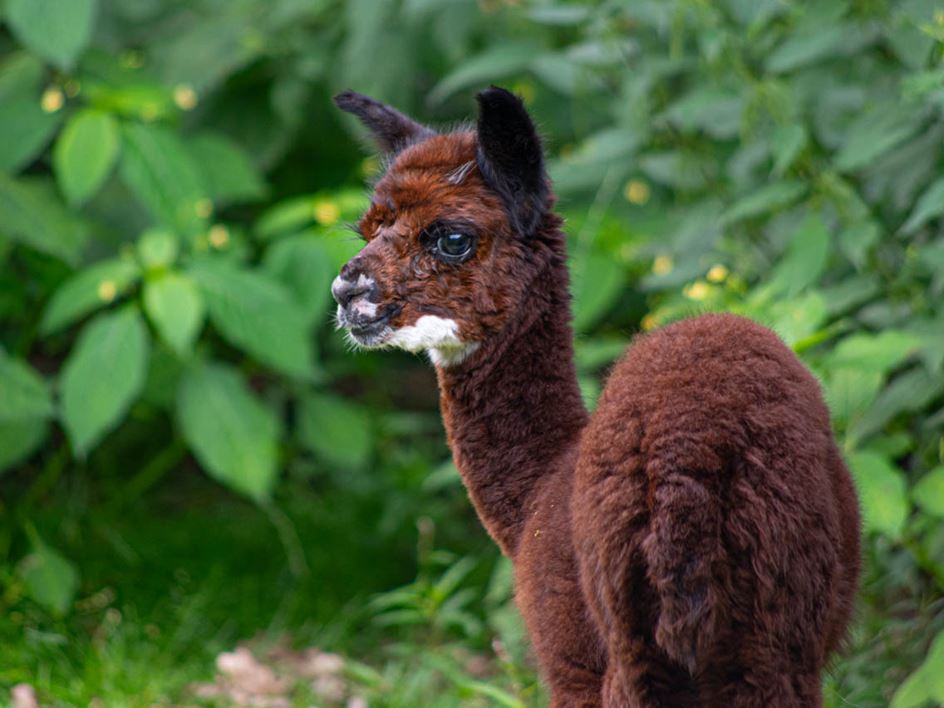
437	335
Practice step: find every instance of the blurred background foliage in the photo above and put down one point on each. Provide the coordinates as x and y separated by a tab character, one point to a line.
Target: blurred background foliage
189	455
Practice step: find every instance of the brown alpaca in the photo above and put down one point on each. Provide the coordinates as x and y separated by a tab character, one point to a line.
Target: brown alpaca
695	542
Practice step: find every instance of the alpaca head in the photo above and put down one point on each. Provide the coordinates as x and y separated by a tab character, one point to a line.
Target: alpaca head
454	232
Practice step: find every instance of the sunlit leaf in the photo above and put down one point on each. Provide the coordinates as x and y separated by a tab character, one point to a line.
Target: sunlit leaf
928	493
303	265
806	257
175	307
874	352
85	154
50	579
765	199
882	493
102	376
86	291
929	206
597	280
499	61
232	434
257	314
926	684
31	214
337	430
23	391
228	173
57	30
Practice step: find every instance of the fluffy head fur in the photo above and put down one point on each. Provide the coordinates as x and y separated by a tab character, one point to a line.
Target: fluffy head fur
695	542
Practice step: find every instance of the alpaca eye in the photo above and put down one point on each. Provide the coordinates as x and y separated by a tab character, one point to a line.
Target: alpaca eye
454	245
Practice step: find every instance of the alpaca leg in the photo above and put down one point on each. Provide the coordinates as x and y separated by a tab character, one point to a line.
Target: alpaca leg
784	689
646	679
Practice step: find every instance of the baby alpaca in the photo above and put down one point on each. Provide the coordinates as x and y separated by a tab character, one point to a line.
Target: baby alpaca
694	542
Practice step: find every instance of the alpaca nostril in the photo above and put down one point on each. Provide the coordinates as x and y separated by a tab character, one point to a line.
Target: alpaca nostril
344	290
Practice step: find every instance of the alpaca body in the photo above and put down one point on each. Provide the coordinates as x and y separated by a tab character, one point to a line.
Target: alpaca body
693	543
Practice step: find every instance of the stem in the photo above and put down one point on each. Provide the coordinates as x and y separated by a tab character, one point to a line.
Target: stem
288	536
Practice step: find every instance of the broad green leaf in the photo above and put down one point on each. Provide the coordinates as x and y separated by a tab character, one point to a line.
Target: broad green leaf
228	173
26	129
302	264
497	62
57	30
337	430
928	493
597	281
857	240
765	199
157	248
232	435
19	440
908	392
874	352
874	132
786	144
882	493
712	109
24	393
926	684
813	44
257	314
160	172
86	291
50	579
851	391
806	257
794	319
175	307
929	206
103	376
31	214
85	154
592	354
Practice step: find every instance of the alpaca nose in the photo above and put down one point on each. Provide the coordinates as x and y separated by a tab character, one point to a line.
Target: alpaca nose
345	289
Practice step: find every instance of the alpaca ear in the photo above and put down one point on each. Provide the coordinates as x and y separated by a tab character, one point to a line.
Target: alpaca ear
392	130
510	157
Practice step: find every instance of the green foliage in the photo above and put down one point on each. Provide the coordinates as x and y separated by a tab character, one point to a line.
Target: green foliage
173	181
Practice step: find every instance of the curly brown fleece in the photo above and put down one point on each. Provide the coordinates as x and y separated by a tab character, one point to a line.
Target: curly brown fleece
694	542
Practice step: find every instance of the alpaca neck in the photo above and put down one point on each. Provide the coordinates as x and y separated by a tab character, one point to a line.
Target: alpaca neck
514	409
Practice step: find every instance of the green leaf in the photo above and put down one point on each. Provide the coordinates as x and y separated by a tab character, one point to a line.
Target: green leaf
175	307
19	440
157	248
232	434
809	46
57	30
850	391
335	429
928	493
874	132
496	62
86	291
33	215
786	144
880	352
228	173
160	172
24	393
857	240
597	282
50	579
765	199
882	493
303	265
910	391
929	206
85	154
806	257
257	314
926	684
103	375
26	129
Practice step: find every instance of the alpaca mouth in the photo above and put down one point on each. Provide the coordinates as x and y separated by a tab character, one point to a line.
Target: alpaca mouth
366	332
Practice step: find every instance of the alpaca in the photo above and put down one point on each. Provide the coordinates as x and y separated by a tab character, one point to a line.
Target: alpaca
694	542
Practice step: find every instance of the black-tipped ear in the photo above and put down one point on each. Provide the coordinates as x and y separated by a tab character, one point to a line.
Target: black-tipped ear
510	157
392	130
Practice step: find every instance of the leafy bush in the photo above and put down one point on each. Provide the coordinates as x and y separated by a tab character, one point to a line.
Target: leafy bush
174	184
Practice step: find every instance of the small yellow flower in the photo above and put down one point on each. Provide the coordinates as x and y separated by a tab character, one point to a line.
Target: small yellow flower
219	236
697	291
636	192
327	213
717	274
939	17
203	208
649	322
662	265
52	100
185	97
107	290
